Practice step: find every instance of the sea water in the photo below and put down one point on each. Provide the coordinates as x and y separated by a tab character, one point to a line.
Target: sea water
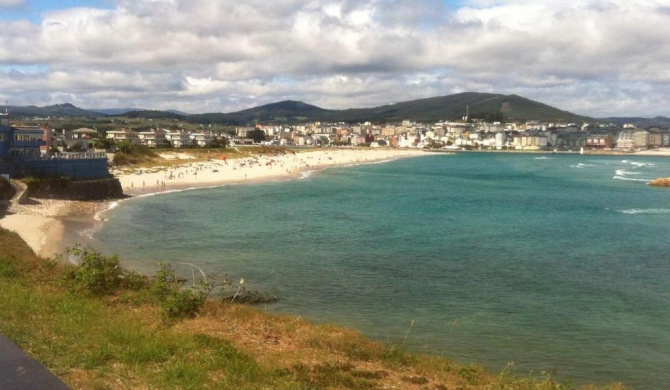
552	262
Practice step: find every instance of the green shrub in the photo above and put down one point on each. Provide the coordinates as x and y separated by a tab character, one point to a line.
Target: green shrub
174	300
100	274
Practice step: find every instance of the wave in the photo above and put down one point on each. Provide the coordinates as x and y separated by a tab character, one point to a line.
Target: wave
383	161
623	172
638	164
645	211
543	158
305	174
99	215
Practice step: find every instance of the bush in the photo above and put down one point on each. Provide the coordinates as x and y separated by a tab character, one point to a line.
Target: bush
174	300
99	274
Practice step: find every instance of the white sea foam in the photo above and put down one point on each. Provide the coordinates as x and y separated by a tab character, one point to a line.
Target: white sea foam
306	174
383	161
630	179
623	172
99	216
645	211
639	164
543	158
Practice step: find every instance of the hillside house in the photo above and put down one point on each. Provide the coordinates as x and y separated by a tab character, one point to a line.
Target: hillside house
83	137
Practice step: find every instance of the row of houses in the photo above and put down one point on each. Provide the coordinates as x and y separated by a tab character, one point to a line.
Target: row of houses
530	135
154	138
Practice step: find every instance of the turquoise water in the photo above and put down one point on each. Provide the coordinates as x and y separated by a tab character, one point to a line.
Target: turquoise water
553	262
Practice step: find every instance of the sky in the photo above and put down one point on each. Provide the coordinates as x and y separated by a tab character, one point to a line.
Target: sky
598	58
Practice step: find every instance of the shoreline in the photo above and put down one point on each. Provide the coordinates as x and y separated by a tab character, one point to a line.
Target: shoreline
49	226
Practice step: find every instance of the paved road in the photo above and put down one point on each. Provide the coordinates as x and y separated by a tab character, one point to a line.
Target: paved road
18	371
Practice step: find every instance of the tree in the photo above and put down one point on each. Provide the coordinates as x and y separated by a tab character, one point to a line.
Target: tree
257	135
105	143
77	147
221	142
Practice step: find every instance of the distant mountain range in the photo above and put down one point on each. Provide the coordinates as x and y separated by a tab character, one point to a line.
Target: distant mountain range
490	107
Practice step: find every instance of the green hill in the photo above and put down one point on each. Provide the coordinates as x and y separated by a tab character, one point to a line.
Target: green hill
486	106
490	107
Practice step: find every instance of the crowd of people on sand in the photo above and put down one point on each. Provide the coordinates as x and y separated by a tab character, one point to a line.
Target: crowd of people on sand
223	170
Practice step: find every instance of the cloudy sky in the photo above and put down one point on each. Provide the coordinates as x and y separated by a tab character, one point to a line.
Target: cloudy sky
592	57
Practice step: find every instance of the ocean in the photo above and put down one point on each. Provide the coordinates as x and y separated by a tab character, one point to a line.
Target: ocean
552	262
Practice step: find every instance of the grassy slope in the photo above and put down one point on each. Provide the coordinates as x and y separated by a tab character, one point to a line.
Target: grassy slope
121	342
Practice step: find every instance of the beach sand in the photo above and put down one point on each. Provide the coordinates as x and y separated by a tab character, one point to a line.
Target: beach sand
50	226
217	171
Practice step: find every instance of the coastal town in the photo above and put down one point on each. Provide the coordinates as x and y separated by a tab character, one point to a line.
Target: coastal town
467	134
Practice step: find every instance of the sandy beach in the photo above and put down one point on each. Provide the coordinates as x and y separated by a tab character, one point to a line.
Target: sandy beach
49	226
220	171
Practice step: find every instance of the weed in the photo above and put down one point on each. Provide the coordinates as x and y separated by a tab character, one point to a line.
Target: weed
8	268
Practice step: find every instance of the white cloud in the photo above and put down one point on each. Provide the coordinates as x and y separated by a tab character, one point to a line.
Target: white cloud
212	55
13	4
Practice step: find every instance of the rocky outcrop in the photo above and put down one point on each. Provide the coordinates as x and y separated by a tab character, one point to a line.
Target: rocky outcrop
64	188
6	189
661	182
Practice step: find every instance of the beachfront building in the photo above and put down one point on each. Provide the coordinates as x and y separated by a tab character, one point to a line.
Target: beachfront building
501	140
641	139
178	139
599	141
153	138
202	139
625	140
530	141
21	156
124	135
572	140
26	142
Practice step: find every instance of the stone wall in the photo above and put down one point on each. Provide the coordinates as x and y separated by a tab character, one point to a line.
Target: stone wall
77	169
